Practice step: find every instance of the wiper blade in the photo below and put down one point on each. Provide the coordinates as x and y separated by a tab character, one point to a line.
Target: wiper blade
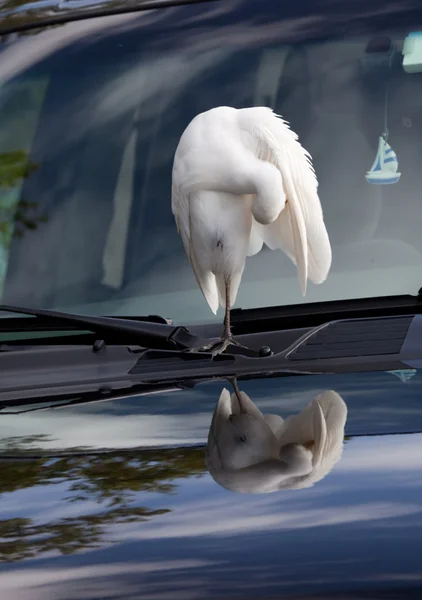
37	404
143	333
313	314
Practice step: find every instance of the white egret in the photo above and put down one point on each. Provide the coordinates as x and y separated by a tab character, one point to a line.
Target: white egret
256	453
241	179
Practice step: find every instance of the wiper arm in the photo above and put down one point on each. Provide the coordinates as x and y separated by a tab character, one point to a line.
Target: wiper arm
142	333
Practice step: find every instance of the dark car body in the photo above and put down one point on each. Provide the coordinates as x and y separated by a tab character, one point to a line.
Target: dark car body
112	498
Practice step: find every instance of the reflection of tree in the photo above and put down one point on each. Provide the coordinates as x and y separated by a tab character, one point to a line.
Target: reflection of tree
14	167
110	479
24	539
20	105
15	14
18	13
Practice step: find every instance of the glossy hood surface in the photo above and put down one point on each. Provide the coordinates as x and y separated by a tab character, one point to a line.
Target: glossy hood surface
116	500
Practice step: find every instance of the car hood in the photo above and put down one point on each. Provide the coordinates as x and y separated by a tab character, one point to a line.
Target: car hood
122	499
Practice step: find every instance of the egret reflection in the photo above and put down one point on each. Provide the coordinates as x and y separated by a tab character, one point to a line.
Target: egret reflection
256	453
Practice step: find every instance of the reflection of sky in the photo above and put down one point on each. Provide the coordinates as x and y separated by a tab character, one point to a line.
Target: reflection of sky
377	402
359	527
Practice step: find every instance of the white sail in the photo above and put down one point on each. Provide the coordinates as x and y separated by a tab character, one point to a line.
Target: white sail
390	159
385	165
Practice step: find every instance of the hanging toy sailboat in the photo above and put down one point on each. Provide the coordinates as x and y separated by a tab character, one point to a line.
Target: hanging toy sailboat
404	374
384	169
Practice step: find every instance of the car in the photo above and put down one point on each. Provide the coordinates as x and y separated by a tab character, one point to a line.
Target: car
131	467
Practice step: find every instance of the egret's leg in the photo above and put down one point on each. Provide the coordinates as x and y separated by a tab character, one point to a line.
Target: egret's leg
227	338
233	381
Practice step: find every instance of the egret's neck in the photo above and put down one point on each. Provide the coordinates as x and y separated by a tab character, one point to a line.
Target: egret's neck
270	198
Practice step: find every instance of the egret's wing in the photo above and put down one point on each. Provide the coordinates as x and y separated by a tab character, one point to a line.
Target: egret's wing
320	434
256	238
322	421
334	411
180	209
221	414
300	230
280	235
180	204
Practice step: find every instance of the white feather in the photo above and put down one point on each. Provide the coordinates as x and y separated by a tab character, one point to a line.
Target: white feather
233	171
256	238
251	452
299	229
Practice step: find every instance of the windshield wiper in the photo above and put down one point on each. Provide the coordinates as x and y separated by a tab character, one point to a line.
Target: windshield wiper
143	333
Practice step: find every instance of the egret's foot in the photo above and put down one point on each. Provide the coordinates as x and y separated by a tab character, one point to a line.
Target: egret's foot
219	347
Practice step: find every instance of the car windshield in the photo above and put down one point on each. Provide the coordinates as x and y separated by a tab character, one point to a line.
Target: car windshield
91	113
